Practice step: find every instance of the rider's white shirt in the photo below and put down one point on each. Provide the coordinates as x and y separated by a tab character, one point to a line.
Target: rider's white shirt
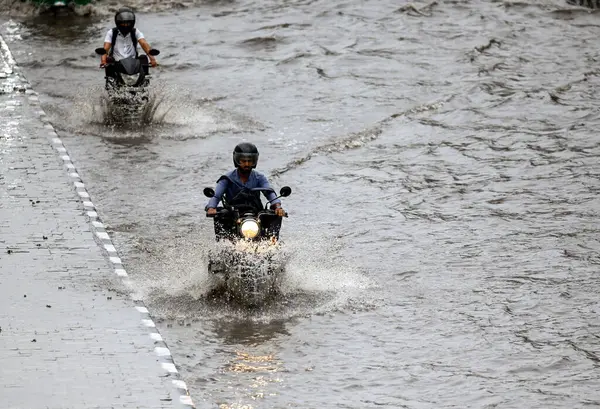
123	45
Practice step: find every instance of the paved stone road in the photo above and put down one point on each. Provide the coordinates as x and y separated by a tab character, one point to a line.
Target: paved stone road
70	336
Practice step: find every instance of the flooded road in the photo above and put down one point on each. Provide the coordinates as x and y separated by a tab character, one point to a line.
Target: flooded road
444	161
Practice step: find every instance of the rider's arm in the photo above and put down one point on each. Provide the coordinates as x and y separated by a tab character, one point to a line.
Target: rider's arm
104	58
146	47
264	183
107	46
219	191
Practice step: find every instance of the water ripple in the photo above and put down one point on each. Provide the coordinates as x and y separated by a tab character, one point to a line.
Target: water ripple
443	225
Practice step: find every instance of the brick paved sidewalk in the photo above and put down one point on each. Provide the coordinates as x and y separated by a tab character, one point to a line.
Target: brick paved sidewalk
70	337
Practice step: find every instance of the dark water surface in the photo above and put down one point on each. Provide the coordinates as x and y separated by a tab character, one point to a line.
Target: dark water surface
443	228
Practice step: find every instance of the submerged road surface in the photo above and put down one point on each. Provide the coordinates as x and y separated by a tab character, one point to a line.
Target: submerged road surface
444	161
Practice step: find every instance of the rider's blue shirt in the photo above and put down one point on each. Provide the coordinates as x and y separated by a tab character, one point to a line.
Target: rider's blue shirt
256	179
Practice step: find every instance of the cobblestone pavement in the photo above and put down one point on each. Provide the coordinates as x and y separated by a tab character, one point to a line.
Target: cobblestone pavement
70	335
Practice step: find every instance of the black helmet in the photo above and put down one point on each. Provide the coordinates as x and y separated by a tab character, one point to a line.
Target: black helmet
245	150
125	20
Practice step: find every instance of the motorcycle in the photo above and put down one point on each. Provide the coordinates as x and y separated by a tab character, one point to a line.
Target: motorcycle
59	7
248	260
127	81
61	3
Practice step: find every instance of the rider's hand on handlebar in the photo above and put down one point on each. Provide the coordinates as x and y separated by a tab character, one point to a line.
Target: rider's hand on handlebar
211	211
153	62
280	212
103	61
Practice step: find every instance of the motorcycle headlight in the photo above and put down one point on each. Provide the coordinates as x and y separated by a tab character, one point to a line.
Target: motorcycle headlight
249	229
129	80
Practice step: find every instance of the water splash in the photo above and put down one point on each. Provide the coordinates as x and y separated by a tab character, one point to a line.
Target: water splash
167	107
173	279
173	276
133	111
318	271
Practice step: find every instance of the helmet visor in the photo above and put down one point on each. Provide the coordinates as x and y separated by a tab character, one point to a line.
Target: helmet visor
245	159
125	16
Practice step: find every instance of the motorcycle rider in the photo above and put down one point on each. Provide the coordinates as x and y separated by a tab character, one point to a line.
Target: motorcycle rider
121	42
231	187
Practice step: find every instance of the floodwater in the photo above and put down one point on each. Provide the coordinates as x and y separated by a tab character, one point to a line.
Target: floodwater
444	161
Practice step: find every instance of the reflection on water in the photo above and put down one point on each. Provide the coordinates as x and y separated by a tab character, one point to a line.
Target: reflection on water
248	331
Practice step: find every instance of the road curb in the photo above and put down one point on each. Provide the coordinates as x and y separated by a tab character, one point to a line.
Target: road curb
161	349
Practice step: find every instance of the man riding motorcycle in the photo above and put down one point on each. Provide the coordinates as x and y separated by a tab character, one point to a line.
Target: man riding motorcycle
234	187
121	42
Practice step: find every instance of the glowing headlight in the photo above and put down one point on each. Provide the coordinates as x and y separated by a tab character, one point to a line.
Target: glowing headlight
249	229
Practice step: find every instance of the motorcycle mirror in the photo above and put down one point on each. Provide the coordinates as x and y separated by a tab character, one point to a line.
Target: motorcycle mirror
285	191
154	51
208	192
100	51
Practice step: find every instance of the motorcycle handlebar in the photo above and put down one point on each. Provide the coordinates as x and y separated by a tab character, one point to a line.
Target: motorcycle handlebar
225	211
221	212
